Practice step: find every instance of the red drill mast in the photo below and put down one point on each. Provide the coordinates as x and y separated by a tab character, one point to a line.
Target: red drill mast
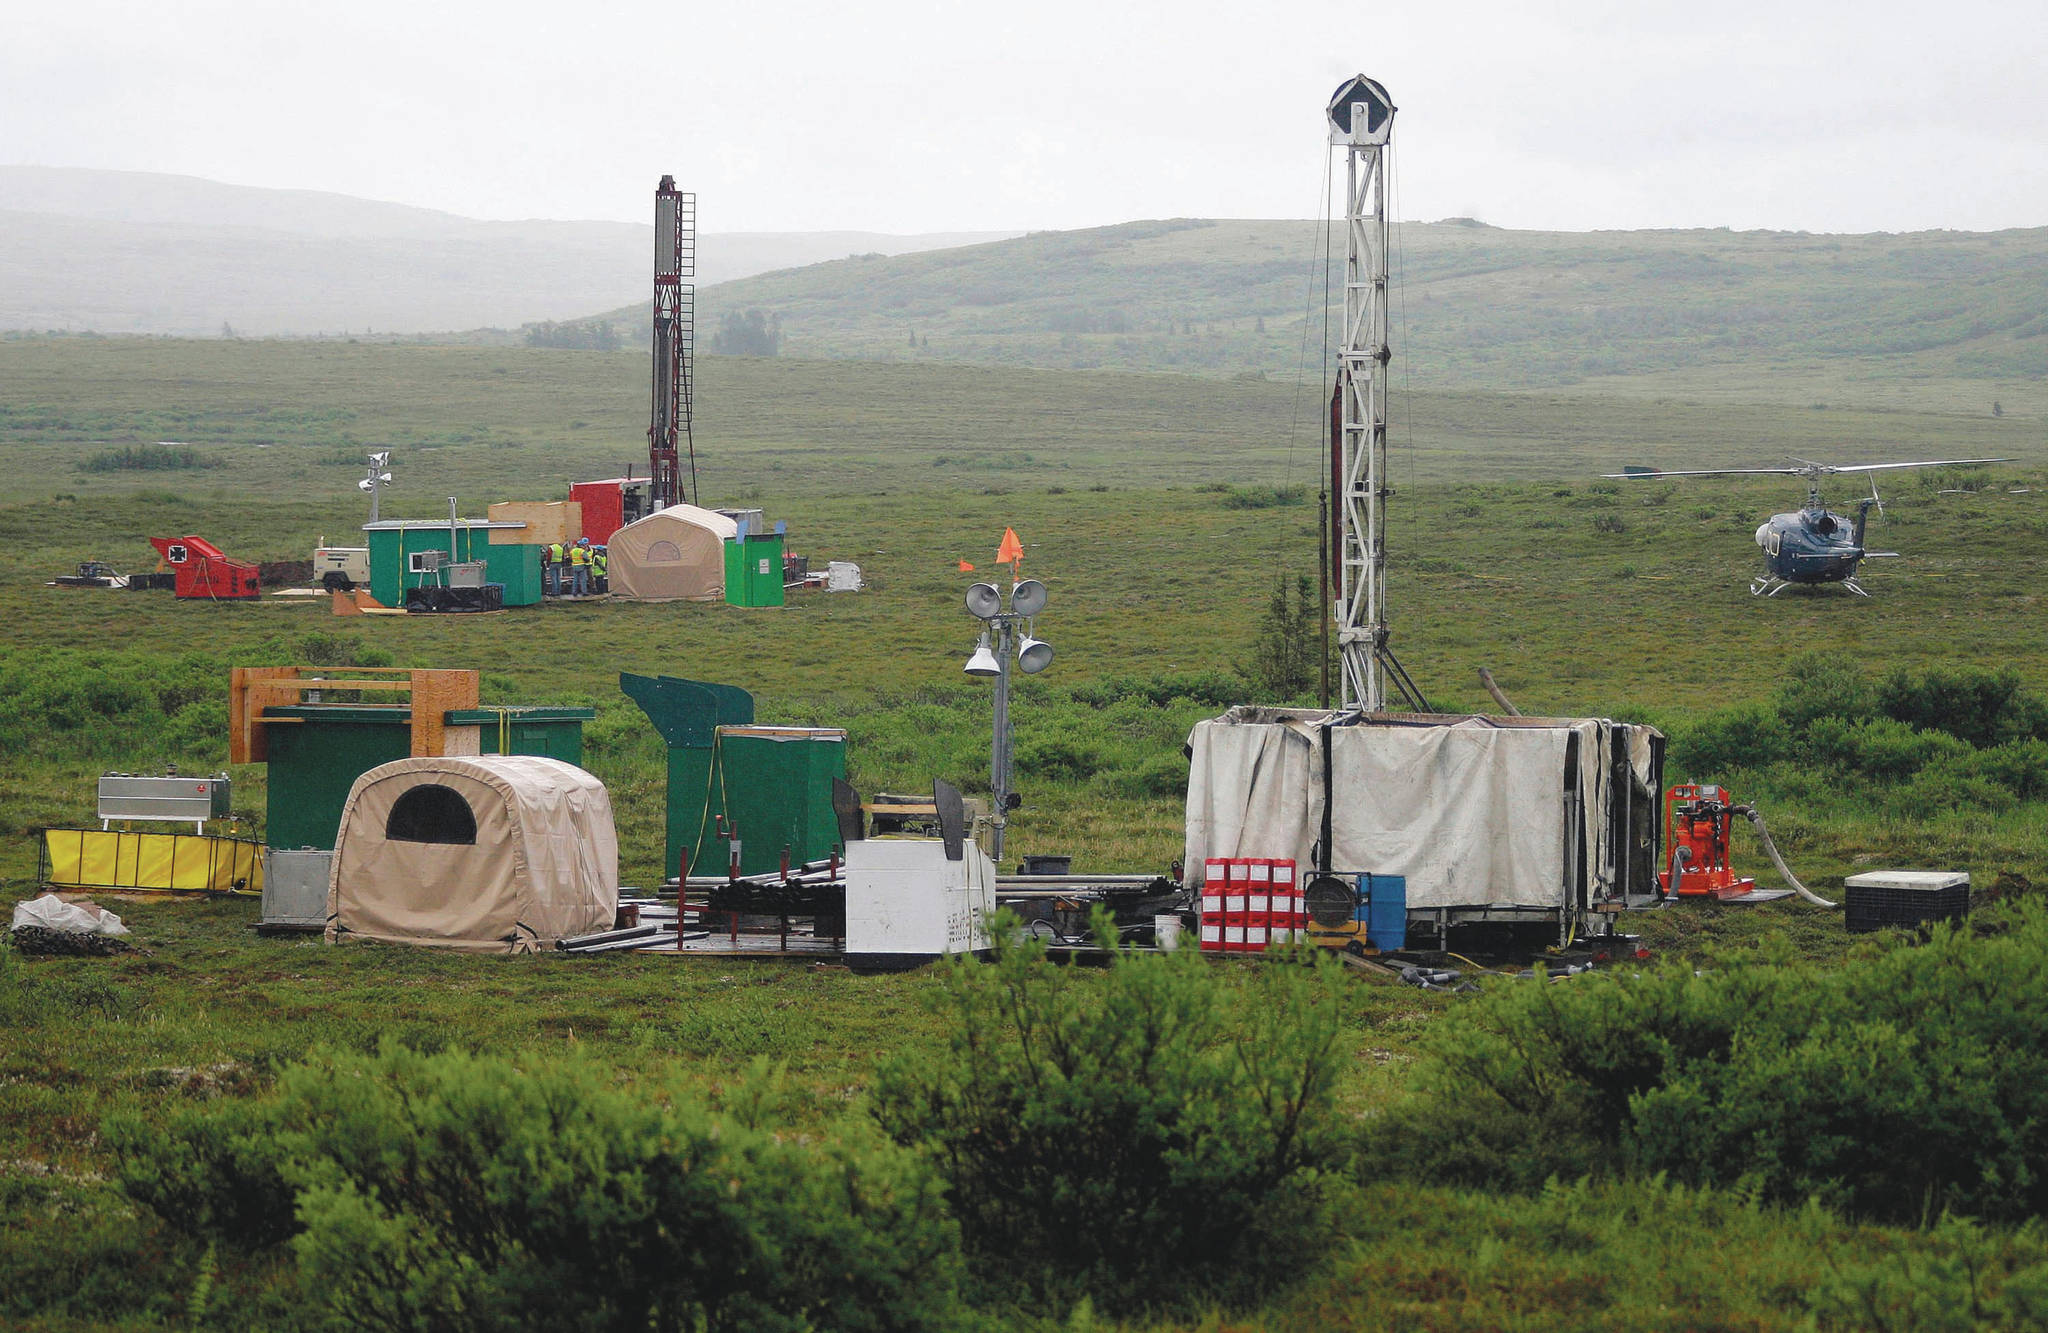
675	326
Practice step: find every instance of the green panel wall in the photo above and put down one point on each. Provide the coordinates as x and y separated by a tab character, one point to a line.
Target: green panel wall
778	792
312	766
518	568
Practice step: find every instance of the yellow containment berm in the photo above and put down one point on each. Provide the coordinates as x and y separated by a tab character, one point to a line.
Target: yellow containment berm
151	862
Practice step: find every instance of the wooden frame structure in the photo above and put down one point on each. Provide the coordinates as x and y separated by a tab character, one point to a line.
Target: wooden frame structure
432	695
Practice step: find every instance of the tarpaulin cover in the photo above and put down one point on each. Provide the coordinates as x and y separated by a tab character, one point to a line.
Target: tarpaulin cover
52	913
165	862
1473	811
673	553
490	853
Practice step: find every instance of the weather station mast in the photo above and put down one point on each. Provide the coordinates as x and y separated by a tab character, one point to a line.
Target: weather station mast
675	324
1361	121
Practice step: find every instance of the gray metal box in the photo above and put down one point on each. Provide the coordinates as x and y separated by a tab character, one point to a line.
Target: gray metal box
295	888
169	797
468	574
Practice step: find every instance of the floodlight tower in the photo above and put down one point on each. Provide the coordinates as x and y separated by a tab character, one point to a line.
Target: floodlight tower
1361	120
675	329
1003	633
377	480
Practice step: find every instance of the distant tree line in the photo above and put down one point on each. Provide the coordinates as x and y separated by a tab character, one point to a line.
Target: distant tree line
753	333
148	458
582	335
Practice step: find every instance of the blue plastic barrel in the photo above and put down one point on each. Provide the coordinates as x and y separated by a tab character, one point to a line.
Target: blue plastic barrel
1386	910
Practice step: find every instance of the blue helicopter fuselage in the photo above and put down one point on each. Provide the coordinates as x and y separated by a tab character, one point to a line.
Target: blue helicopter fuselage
1813	545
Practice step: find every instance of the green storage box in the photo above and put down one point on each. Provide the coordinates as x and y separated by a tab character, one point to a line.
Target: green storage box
315	761
753	570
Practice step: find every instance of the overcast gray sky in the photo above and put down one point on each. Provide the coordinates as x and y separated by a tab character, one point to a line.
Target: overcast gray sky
900	116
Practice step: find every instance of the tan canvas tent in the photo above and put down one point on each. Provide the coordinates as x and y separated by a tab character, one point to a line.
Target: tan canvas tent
491	853
677	552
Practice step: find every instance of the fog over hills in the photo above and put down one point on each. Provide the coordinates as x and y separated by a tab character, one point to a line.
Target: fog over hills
138	252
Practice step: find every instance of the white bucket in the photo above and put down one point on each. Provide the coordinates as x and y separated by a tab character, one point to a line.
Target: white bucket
1166	931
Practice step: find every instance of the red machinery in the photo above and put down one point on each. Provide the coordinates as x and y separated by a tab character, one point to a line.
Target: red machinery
204	570
1697	821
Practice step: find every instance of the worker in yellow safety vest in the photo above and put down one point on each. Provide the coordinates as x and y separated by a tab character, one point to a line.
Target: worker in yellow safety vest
579	567
551	557
600	567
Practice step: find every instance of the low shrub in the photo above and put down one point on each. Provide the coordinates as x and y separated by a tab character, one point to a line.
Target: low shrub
1745	737
149	458
1135	1135
1984	708
460	1192
1894	1087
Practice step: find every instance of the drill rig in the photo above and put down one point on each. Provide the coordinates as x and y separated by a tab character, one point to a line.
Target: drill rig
675	329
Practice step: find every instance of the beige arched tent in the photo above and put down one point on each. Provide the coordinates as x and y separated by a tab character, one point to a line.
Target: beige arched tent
490	853
673	553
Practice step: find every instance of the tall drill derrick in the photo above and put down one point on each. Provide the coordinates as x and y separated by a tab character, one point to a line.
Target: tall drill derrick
1361	120
675	321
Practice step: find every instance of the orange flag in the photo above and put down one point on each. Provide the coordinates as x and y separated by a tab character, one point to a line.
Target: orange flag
1011	549
966	567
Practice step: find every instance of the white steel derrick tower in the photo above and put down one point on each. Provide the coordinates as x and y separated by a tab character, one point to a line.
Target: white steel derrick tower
1361	117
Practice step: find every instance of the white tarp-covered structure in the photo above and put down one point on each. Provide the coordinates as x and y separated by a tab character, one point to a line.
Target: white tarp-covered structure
1500	814
674	554
490	853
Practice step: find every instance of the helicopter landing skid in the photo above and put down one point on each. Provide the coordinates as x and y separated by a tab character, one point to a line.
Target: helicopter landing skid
1770	585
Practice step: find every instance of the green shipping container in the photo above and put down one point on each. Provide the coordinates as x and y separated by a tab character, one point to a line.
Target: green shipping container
315	761
753	571
393	542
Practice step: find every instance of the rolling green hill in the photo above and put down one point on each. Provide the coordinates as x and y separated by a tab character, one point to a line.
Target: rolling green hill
1473	305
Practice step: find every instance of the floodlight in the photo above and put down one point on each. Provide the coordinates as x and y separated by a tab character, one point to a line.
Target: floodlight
1027	598
384	477
983	663
983	601
1033	655
380	458
366	484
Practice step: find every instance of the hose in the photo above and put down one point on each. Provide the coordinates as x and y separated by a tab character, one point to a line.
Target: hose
1681	857
1764	836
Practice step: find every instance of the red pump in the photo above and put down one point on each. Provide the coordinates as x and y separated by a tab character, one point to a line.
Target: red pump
1697	822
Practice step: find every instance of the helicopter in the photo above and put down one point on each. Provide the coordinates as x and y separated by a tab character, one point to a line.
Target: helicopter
1814	544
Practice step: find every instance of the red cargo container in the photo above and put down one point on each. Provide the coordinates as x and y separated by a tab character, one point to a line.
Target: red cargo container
612	504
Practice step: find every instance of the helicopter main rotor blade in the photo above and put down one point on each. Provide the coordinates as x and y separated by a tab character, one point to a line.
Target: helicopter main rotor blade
1653	474
1932	462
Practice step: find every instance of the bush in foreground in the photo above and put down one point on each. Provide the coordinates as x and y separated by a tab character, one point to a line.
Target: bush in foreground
1895	1086
459	1192
1144	1135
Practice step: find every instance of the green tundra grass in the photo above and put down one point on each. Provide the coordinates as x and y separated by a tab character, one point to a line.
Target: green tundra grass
1160	511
